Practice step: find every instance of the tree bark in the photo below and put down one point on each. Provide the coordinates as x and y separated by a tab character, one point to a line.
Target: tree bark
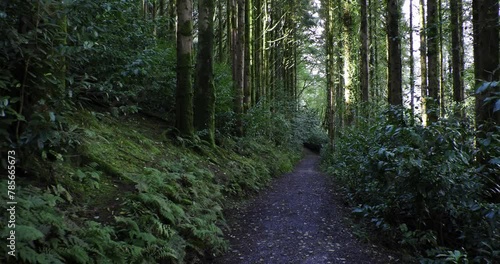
457	53
340	87
394	60
205	90
433	60
486	61
412	68
423	62
239	66
365	51
247	81
184	90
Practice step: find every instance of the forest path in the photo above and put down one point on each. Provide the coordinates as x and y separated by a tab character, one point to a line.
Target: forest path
296	220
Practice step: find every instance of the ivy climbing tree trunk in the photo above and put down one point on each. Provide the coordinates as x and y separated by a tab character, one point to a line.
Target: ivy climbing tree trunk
340	87
394	60
205	91
330	69
365	51
184	89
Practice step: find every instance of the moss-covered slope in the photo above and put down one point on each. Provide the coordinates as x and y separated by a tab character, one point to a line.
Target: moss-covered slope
131	194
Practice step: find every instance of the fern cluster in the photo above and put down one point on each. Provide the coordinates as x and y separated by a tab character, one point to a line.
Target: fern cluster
113	204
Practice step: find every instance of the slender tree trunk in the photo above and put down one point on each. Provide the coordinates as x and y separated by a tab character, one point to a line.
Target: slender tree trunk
231	32
247	86
376	87
266	57
220	33
394	60
433	60
205	90
365	51
373	51
442	84
457	54
423	62
239	78
330	69
340	88
184	91
258	17
412	67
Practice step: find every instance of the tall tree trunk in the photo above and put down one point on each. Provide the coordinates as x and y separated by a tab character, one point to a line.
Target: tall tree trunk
433	60
231	32
257	52
394	60
247	86
457	54
423	62
412	68
184	90
374	82
205	90
365	51
442	86
266	57
486	61
239	66
330	69
340	88
220	33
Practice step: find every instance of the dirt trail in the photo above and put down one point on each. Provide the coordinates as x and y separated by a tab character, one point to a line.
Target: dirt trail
296	220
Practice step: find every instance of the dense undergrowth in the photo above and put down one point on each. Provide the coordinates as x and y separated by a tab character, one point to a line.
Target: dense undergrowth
88	105
423	187
129	193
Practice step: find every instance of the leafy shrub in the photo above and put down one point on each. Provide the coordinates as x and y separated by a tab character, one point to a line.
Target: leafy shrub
419	185
307	129
281	123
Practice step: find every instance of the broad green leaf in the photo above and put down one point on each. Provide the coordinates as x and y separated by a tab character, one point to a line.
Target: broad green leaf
483	87
497	106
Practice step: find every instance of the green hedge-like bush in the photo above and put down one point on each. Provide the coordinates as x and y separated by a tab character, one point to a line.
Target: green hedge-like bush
421	186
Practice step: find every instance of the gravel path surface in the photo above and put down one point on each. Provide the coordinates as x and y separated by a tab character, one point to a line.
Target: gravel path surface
296	220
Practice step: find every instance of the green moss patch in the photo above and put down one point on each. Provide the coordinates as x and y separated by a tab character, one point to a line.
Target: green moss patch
130	194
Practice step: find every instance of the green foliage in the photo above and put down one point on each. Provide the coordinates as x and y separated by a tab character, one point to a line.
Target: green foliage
224	115
282	124
45	234
263	122
419	185
121	62
33	92
132	196
307	128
